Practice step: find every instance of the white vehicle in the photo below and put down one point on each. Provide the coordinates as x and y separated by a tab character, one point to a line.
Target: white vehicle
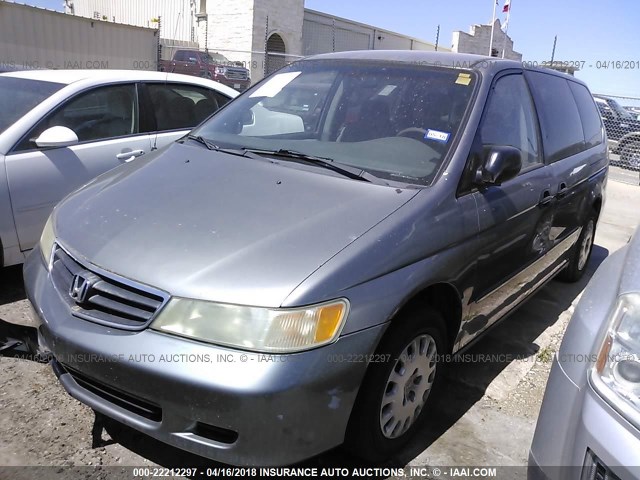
61	128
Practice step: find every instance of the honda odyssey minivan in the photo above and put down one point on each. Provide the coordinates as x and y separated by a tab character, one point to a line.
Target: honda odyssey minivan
288	277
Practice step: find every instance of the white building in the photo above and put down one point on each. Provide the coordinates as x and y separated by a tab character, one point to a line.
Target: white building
478	39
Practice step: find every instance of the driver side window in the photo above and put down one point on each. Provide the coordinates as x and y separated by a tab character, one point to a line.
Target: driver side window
98	114
509	119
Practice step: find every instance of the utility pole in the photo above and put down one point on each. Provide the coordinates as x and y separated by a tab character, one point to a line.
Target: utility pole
493	26
437	37
553	52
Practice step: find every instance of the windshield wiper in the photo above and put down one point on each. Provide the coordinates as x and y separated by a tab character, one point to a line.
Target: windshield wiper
212	146
324	162
207	143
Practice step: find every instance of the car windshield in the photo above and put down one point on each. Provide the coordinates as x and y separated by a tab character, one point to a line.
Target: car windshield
217	58
19	95
394	120
622	112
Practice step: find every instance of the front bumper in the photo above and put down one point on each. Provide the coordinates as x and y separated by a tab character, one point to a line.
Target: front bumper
574	420
231	406
239	85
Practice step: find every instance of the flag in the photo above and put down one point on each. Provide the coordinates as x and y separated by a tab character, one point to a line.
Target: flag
507	5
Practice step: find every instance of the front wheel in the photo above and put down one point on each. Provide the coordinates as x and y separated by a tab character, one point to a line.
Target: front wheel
580	252
396	395
630	155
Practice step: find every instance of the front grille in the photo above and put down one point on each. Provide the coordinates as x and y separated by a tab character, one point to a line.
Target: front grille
107	300
236	74
113	395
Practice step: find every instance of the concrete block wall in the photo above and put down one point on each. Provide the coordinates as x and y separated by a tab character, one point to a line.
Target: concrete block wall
285	19
478	39
227	31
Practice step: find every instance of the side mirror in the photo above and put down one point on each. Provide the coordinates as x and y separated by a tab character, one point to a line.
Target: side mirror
192	60
501	163
57	137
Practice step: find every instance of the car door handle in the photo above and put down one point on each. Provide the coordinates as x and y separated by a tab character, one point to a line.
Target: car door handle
128	156
562	190
545	198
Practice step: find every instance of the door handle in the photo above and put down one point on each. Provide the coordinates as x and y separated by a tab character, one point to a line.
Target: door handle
545	198
128	156
562	190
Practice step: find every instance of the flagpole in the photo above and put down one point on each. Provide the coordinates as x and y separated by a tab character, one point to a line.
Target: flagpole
504	44
493	25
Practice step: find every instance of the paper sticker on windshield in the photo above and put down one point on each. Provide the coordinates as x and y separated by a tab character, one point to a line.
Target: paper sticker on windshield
464	79
437	136
387	90
276	83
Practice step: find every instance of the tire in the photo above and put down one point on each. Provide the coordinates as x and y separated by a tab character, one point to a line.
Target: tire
580	252
630	155
383	422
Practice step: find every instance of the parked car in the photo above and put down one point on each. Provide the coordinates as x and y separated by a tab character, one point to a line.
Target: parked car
214	66
59	129
635	111
623	131
589	423
305	274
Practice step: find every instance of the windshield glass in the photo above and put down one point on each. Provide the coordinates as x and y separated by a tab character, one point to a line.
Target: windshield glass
622	113
217	58
19	95
396	121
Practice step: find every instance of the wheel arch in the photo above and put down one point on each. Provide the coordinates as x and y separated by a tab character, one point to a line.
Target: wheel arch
443	297
628	139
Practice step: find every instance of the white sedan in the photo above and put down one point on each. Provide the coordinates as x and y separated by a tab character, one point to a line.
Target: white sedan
61	128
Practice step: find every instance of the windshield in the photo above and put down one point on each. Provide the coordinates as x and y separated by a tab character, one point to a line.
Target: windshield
19	95
217	58
622	113
395	121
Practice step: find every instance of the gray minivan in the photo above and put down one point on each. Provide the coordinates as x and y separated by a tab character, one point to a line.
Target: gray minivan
289	276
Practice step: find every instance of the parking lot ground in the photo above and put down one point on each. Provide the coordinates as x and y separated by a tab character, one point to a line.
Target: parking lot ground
485	416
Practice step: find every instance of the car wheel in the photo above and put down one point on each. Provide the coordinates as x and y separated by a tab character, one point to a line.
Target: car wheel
397	393
630	155
580	252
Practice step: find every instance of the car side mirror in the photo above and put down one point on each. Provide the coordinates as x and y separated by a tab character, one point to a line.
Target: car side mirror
501	163
57	137
192	60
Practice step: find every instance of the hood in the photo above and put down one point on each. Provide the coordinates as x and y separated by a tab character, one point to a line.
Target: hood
209	225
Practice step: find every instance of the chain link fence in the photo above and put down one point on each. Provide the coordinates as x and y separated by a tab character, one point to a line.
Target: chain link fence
621	118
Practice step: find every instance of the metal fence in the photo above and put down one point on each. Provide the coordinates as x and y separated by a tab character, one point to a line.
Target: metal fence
621	118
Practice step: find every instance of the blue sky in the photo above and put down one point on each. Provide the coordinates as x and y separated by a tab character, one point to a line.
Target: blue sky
588	30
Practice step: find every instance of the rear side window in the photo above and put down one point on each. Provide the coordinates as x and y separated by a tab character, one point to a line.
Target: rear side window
560	120
591	123
180	106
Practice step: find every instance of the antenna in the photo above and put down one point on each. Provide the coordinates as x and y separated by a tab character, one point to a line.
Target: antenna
553	52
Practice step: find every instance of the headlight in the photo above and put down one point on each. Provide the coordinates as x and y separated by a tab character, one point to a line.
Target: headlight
253	328
47	240
616	374
221	70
